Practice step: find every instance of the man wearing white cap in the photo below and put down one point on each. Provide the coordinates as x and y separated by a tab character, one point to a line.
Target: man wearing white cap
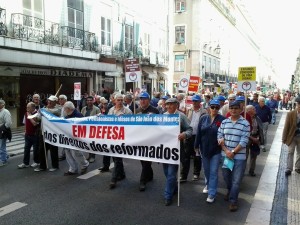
54	109
5	133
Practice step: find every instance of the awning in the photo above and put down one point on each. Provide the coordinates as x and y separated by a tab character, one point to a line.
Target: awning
163	75
150	74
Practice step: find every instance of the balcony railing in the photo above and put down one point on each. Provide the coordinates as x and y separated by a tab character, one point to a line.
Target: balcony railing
76	38
3	28
39	30
35	29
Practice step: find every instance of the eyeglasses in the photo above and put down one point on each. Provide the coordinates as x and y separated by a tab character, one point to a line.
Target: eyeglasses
215	107
119	100
234	108
231	99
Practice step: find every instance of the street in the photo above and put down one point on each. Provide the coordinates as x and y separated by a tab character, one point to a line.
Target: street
51	198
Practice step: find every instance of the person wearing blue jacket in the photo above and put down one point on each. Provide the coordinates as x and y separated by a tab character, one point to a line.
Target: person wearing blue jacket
206	141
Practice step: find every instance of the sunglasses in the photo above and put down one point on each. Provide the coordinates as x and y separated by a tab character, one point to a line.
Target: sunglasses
236	108
231	99
215	107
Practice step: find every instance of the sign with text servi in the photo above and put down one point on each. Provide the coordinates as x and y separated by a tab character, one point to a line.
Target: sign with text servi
247	79
132	70
117	136
194	84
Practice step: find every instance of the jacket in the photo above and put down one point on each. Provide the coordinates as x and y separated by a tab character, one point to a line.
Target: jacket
290	127
206	138
5	133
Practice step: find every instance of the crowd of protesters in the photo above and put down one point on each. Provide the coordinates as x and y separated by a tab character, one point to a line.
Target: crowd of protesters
216	129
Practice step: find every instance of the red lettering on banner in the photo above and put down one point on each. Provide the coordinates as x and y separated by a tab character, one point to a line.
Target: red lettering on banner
107	132
79	131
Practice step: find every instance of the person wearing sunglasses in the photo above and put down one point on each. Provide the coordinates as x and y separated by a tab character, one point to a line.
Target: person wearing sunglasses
206	141
233	136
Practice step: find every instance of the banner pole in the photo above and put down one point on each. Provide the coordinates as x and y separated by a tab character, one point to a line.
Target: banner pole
245	104
134	86
45	150
178	180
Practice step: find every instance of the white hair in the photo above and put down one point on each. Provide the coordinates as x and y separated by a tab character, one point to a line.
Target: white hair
36	95
69	105
249	107
261	99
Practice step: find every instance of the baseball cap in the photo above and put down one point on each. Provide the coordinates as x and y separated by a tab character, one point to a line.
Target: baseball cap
196	98
172	100
144	95
234	103
214	102
2	102
165	97
52	98
221	98
240	98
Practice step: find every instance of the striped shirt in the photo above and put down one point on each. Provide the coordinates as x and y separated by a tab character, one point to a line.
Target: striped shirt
235	133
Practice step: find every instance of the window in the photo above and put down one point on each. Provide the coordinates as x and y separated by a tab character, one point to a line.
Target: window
146	45
180	34
180	5
128	37
105	31
179	63
75	18
33	8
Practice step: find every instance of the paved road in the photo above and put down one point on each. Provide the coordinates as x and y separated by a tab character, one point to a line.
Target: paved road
51	198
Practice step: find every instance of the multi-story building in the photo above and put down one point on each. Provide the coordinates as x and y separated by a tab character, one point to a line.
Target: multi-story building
211	39
46	43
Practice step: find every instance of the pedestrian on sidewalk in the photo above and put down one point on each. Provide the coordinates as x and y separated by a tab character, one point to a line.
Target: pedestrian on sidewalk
5	132
32	129
291	137
233	136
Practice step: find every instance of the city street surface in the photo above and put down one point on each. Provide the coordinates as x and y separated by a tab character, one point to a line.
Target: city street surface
28	197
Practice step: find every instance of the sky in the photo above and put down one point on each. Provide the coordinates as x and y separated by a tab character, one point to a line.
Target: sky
278	29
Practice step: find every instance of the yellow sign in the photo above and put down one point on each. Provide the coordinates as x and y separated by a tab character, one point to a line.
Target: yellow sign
247	73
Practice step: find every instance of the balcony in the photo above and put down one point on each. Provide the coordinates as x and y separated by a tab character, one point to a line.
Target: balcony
34	29
78	39
38	30
3	28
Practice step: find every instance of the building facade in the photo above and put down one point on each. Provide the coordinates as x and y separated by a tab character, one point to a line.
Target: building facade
48	43
212	39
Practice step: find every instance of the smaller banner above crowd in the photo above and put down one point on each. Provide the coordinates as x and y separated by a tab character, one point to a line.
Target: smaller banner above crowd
150	137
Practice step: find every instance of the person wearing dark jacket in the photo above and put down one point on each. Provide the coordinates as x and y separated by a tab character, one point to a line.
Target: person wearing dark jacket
256	138
146	108
72	156
264	113
206	141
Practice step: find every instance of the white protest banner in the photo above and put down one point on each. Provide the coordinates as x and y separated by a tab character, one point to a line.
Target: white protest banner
150	137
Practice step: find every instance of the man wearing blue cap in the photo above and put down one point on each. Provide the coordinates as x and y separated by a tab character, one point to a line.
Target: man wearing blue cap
241	100
193	115
233	136
146	108
222	100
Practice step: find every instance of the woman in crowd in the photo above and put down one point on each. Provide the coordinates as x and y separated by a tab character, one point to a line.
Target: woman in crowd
206	141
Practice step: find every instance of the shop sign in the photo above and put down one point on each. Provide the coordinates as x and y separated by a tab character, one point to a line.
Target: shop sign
56	72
